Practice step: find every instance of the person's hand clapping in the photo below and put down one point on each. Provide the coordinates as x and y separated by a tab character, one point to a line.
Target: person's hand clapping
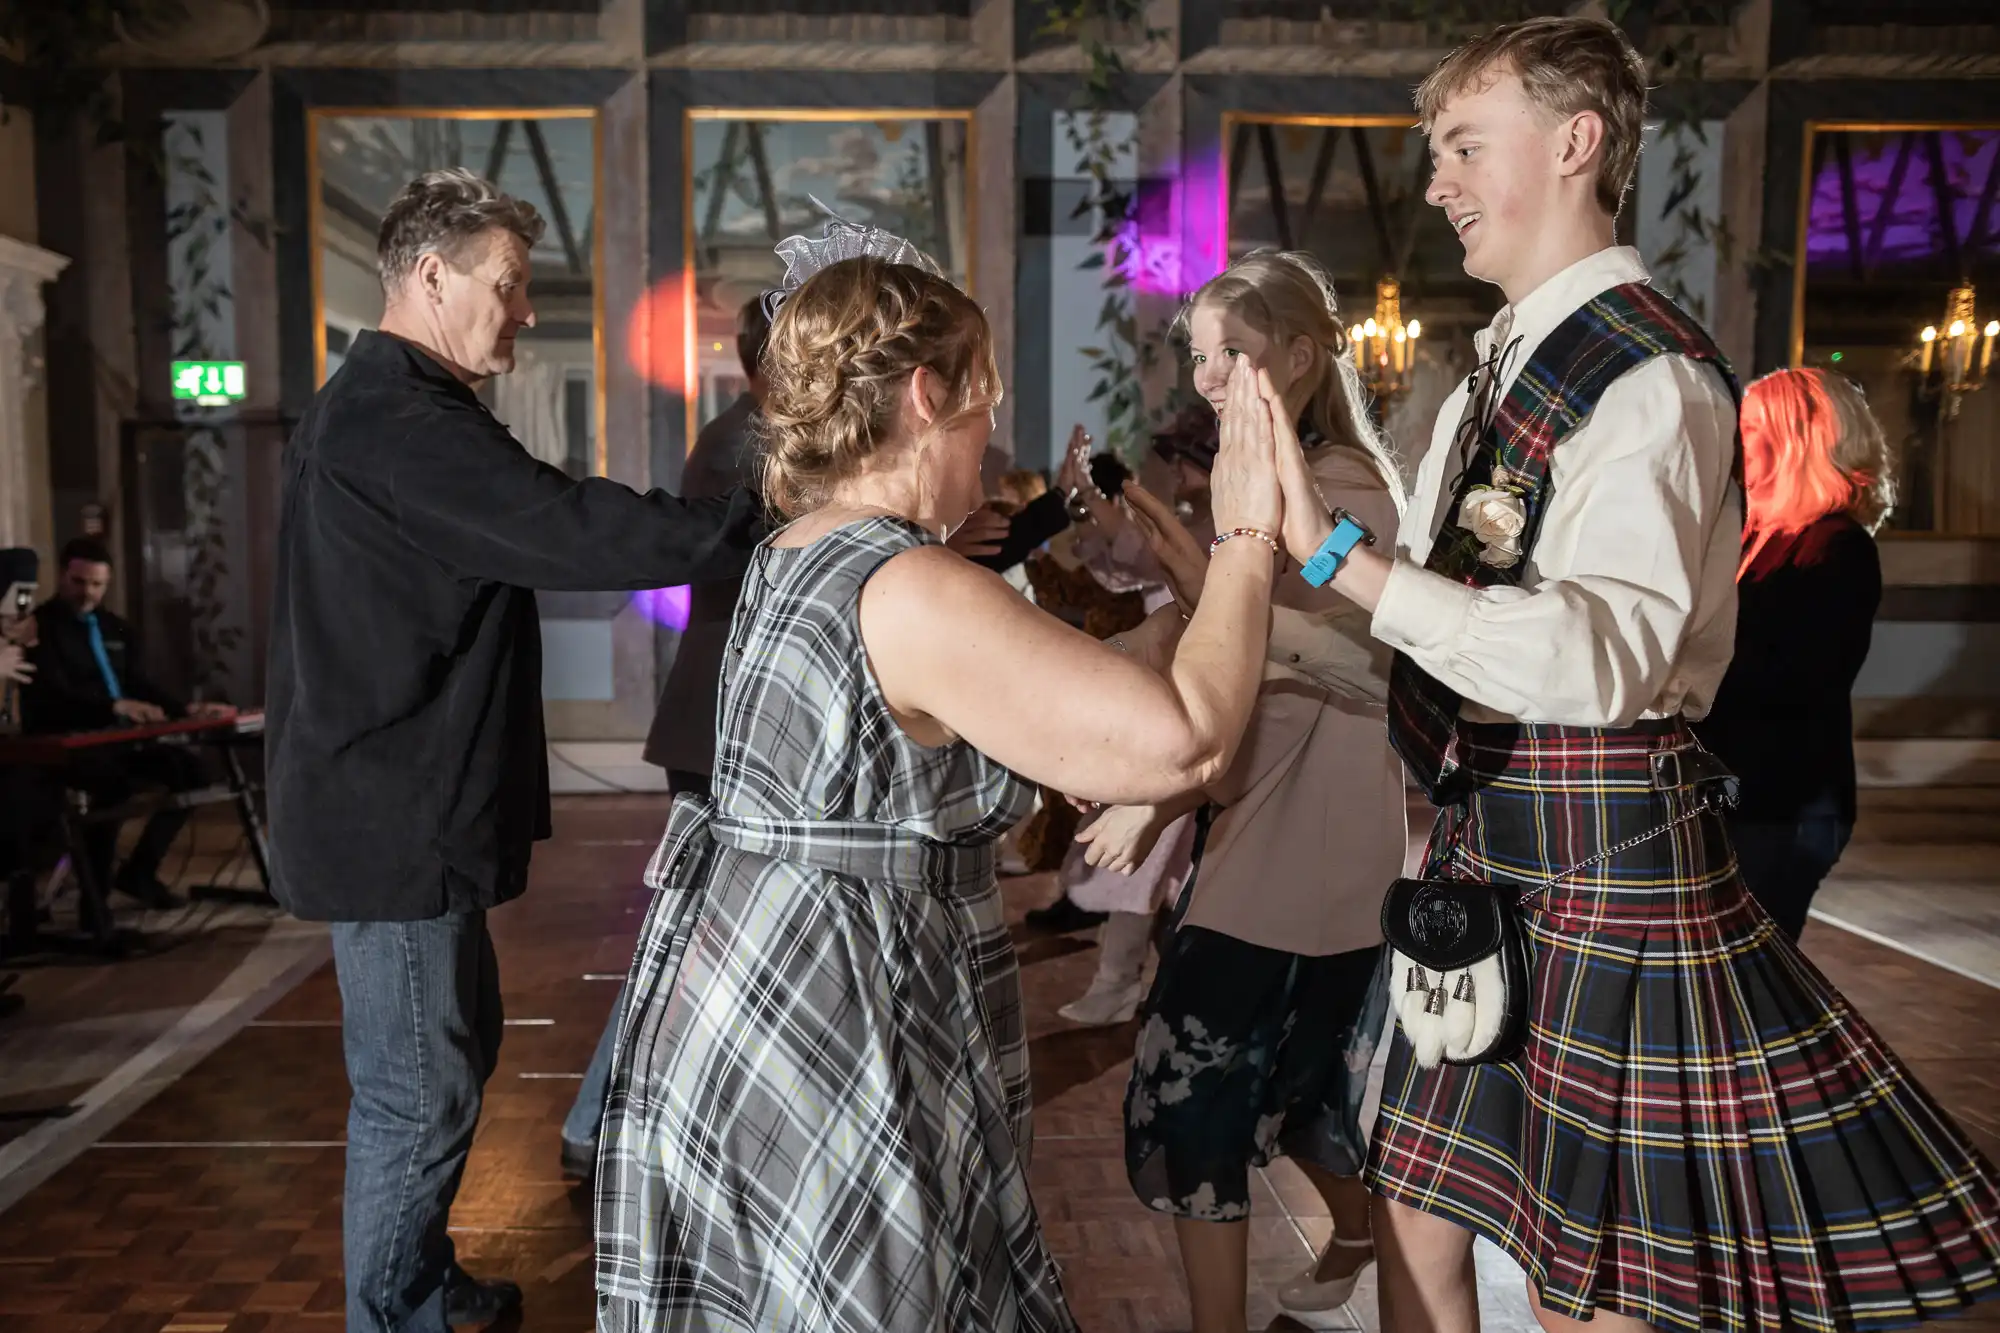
1074	474
1180	553
14	665
981	533
1122	837
1308	518
1244	490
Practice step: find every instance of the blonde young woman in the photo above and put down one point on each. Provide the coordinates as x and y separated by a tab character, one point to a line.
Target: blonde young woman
819	1111
1266	1007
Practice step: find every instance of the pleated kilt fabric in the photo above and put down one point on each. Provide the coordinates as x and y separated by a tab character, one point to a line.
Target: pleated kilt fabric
1698	1131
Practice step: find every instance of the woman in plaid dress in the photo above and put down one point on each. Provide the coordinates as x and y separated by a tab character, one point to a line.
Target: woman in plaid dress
819	1109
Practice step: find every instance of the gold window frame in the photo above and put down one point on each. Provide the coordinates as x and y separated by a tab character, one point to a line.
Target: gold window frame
1232	119
1796	341
1796	351
314	115
690	369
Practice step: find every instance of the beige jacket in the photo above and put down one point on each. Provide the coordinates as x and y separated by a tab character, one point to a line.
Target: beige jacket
1313	828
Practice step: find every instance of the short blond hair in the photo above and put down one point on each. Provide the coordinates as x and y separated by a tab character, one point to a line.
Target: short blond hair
1566	66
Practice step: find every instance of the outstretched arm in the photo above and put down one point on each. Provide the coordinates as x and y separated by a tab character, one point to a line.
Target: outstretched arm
477	502
1641	514
952	644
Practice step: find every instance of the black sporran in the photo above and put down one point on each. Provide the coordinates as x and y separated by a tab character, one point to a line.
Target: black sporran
1461	963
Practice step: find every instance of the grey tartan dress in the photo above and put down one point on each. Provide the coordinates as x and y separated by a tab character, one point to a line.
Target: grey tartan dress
819	1110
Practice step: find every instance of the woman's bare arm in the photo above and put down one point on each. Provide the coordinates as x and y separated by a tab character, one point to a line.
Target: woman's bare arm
952	643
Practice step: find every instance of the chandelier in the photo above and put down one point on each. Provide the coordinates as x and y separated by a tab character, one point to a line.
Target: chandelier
1384	347
1946	368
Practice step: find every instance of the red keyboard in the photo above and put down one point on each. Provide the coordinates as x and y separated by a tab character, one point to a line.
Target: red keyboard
54	748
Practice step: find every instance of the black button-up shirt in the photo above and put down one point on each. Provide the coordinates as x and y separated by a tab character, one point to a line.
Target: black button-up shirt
407	764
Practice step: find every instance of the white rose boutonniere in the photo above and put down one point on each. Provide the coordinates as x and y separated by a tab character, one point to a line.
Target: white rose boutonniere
1496	516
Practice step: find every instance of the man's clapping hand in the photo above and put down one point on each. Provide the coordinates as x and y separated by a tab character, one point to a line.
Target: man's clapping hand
14	665
980	535
1180	553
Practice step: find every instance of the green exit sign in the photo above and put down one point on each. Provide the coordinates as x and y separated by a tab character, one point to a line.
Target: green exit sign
210	383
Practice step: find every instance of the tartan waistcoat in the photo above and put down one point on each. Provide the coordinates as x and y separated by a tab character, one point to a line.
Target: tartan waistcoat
1557	389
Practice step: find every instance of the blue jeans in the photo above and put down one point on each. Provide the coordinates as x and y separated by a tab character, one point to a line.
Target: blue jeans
586	1113
1784	862
420	1027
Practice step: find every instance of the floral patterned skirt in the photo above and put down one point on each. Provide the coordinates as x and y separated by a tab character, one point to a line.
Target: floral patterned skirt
1248	1053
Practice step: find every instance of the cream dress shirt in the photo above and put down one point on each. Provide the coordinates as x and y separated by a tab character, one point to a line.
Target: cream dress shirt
1627	606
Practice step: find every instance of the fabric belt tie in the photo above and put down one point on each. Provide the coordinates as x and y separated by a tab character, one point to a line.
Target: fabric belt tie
879	853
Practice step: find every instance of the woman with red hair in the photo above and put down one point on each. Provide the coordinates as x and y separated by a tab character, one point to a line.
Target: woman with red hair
1817	481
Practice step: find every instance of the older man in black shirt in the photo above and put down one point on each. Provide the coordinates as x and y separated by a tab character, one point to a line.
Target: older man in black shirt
407	762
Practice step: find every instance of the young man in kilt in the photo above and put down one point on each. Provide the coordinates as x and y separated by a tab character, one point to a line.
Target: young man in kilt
1694	1130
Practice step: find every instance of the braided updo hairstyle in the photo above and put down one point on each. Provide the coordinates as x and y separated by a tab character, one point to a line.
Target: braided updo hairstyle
841	350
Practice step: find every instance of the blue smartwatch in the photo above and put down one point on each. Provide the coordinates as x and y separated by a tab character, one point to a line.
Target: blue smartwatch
1348	533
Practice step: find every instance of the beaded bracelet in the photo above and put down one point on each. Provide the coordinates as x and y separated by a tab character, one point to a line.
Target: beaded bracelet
1258	533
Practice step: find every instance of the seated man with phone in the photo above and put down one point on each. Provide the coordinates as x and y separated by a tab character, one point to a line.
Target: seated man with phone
88	677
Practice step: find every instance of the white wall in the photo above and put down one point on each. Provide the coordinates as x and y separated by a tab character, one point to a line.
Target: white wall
1656	236
1076	295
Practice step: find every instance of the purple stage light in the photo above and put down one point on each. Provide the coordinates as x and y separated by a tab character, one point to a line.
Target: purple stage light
1177	239
1151	263
1204	213
664	606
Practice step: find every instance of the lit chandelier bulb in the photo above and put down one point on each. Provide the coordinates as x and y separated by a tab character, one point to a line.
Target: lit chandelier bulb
1416	327
1957	329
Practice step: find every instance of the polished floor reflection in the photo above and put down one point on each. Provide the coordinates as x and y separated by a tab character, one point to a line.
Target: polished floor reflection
214	1207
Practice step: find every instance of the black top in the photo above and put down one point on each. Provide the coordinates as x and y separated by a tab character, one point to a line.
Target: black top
407	765
69	692
1783	719
682	738
1035	524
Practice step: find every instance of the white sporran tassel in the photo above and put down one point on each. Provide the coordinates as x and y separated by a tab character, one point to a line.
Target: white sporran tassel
1450	1015
1425	1030
1486	1007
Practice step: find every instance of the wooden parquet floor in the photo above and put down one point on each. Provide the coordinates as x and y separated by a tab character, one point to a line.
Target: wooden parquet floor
216	1207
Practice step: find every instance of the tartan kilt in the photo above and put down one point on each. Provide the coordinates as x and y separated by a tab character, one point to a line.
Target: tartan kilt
1698	1131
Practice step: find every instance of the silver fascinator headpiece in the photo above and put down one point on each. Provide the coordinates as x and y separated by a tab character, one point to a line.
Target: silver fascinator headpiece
838	240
